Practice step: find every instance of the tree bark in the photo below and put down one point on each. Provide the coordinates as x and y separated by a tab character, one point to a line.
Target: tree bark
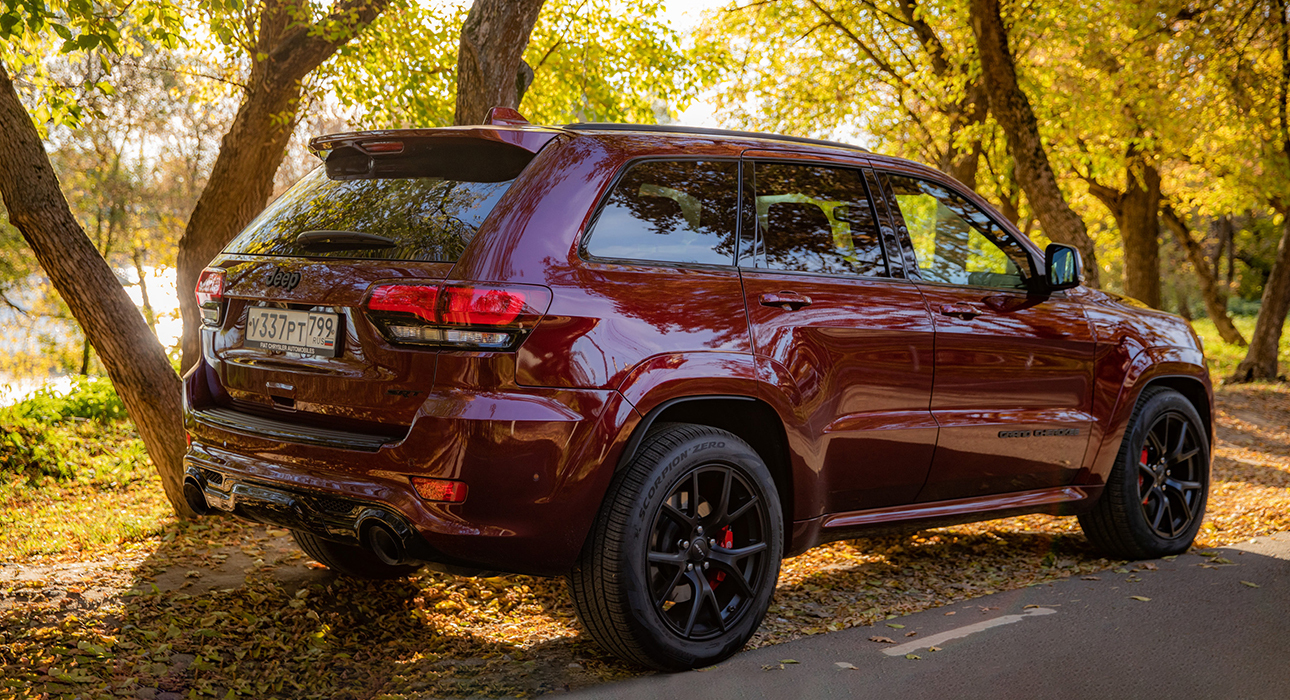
1012	109
241	180
135	361
1260	361
493	40
1210	290
1137	214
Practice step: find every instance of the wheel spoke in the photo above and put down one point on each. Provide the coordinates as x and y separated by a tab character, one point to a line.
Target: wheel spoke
666	595
733	555
1182	487
1185	456
1175	454
1169	508
733	574
740	512
671	559
710	596
1161	502
724	505
696	602
681	518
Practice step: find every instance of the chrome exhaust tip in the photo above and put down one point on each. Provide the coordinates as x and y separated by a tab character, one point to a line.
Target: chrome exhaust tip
195	496
385	544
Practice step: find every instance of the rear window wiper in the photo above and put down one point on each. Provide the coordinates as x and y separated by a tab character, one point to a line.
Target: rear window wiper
330	241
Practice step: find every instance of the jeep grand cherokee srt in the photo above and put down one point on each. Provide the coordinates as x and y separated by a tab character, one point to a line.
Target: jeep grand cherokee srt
657	360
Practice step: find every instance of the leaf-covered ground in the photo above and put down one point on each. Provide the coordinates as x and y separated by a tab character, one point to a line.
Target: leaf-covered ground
224	609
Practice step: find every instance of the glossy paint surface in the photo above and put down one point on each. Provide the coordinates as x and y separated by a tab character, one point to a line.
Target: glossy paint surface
891	411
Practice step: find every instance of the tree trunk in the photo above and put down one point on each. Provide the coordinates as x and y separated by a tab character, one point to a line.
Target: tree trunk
1261	360
1011	108
241	180
135	361
1210	291
493	40
1137	215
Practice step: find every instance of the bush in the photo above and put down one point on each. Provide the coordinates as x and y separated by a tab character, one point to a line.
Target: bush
93	398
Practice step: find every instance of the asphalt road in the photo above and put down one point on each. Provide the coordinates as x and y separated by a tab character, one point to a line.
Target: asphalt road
1203	632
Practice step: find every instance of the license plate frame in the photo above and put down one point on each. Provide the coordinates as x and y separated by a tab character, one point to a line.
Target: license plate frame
314	333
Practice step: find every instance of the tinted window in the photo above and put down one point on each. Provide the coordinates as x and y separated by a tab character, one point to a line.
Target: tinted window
427	218
954	241
670	211
815	219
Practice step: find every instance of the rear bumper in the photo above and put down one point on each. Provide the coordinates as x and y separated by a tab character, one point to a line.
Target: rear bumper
537	463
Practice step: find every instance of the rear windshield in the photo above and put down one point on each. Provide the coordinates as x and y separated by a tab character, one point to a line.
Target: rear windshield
426	218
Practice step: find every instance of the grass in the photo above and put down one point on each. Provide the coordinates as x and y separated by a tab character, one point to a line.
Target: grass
1223	358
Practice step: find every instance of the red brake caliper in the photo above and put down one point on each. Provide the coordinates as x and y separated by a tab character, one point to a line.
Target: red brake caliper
1144	463
727	541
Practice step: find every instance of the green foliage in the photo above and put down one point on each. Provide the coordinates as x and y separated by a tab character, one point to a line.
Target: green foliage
593	60
90	398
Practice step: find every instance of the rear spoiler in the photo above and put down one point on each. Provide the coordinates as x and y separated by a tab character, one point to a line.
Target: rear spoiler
490	153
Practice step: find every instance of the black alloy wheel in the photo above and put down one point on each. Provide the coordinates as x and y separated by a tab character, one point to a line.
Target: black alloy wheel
1154	499
1171	475
706	548
679	569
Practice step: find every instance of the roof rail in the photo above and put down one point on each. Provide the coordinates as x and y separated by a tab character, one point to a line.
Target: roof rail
678	129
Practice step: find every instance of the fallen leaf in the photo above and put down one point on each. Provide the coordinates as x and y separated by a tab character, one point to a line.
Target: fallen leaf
846	666
895	626
773	667
1140	597
882	640
1121	570
950	613
789	661
1147	566
1251	585
1171	557
910	634
1089	578
1222	560
933	648
912	656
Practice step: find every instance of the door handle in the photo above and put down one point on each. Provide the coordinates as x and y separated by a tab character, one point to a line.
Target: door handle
967	312
788	301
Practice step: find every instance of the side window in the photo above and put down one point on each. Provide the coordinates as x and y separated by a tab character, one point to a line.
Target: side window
815	219
670	211
954	241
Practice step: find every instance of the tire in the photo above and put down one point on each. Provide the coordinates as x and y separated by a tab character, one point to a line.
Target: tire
1155	496
350	560
641	588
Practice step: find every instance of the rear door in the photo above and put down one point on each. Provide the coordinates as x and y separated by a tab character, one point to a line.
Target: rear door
1013	385
850	343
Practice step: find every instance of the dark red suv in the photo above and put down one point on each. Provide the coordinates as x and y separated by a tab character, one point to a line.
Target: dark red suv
657	360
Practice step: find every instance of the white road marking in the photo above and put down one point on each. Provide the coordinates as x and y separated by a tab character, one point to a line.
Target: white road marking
963	632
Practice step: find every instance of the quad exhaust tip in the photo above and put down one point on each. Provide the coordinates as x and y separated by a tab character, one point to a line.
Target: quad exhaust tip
195	496
385	544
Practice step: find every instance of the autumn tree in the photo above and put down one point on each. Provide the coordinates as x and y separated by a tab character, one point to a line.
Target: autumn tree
282	42
133	358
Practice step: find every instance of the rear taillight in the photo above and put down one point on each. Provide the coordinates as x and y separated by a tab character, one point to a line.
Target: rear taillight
443	490
210	295
459	315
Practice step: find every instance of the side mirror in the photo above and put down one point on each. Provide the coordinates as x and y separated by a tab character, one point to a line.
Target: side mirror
1065	270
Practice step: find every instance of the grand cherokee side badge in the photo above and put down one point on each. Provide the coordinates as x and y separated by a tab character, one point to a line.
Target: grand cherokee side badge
282	278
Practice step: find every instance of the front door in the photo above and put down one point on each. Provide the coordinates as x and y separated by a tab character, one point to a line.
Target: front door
1014	367
849	343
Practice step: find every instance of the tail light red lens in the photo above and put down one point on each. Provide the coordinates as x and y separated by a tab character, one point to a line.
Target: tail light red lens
210	295
416	299
462	315
442	490
472	306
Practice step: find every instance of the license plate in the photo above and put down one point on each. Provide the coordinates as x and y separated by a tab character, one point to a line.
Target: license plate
303	332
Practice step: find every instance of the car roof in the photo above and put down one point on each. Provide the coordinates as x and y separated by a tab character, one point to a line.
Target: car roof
682	130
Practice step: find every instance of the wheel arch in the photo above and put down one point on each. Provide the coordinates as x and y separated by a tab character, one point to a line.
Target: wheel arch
752	420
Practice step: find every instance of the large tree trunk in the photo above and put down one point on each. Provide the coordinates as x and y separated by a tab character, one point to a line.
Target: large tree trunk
1261	360
493	40
1137	215
241	180
1012	109
1210	291
135	361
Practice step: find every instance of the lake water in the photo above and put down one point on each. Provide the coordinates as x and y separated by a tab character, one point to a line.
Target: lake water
29	333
